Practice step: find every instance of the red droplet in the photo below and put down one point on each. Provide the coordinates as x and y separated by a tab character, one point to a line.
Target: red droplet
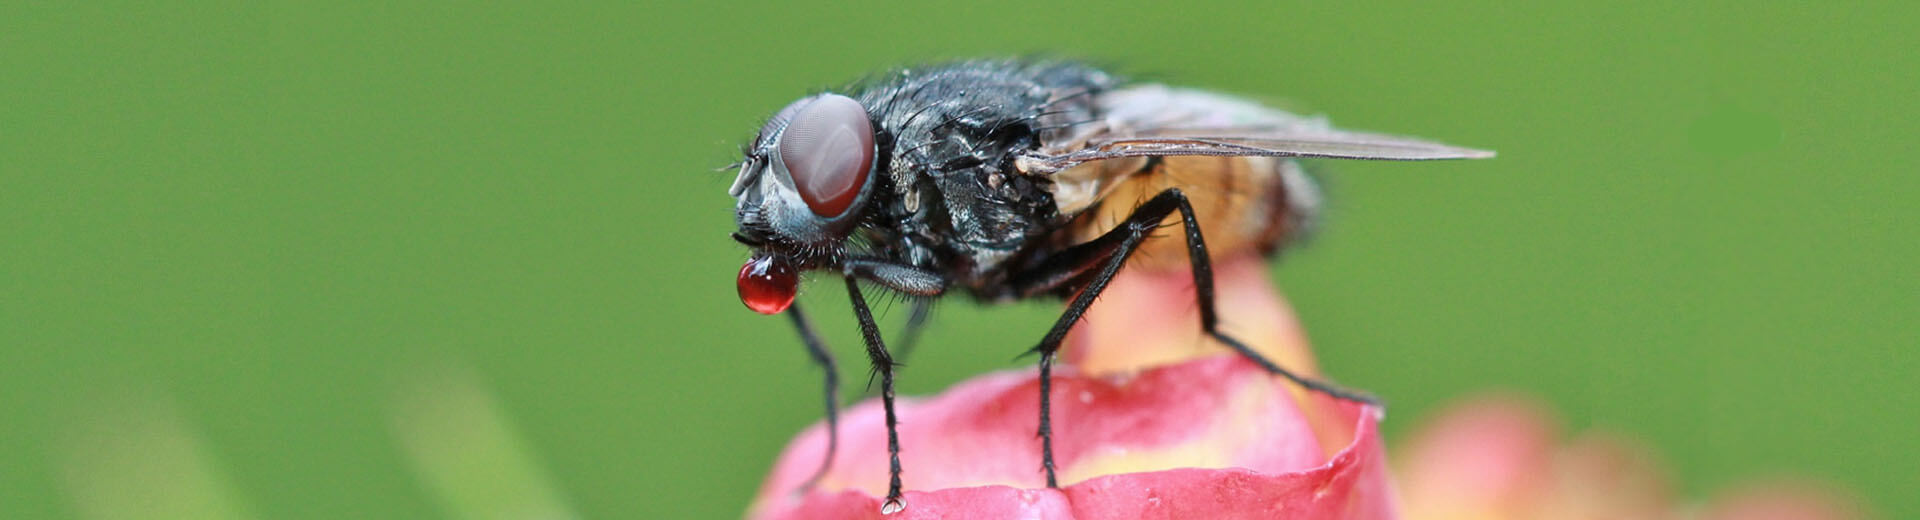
767	285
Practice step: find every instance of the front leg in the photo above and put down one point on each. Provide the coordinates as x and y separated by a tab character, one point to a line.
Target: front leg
898	277
923	284
883	364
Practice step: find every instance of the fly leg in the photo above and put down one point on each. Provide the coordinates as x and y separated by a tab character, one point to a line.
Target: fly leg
1107	254
817	350
910	334
882	364
903	278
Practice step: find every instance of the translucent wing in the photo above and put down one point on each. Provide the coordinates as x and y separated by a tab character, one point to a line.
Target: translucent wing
1155	120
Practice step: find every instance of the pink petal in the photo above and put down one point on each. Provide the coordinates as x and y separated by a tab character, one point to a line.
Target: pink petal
1127	448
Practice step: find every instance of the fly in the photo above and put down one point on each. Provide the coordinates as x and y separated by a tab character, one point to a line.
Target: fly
1009	179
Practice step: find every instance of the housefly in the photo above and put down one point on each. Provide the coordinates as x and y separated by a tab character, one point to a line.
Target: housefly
1012	179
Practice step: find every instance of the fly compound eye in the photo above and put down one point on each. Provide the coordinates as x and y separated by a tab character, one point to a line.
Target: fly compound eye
828	151
785	114
767	284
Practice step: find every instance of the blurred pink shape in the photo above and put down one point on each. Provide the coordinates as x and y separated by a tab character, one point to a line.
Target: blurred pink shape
1499	457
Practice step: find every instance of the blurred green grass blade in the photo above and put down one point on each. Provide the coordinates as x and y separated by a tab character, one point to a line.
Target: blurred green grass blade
465	452
137	459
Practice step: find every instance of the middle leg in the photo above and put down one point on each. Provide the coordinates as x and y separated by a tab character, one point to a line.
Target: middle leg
1108	254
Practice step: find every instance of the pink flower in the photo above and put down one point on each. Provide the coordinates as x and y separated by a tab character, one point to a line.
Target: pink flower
1155	423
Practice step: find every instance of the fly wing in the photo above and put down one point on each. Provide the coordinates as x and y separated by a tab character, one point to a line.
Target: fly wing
1156	120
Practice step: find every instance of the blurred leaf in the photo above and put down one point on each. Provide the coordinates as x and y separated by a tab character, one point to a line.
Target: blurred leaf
465	451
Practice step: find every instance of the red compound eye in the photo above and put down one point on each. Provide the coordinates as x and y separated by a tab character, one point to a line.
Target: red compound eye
828	149
767	285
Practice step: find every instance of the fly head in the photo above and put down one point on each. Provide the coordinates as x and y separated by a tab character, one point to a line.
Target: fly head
802	189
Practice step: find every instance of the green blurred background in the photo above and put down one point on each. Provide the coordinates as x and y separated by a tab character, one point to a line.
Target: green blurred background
320	260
